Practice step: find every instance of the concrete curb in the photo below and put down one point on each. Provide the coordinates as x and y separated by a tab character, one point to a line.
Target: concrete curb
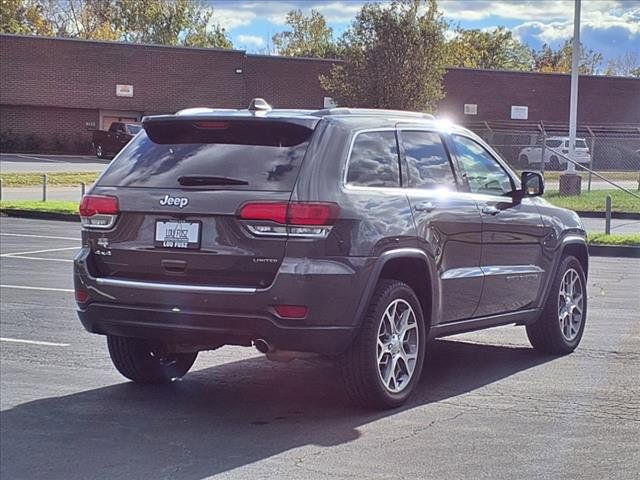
614	215
65	217
624	251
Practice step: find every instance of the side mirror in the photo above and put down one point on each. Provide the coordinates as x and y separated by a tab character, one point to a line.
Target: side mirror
532	184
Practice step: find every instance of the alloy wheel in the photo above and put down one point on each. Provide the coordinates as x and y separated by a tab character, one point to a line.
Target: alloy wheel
397	345
570	304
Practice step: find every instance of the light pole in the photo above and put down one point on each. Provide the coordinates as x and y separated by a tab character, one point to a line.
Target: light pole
570	183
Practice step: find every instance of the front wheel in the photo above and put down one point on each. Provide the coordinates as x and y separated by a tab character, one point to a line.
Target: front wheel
383	365
561	325
147	362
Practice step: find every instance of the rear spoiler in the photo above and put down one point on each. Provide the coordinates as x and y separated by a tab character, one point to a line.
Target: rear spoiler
229	129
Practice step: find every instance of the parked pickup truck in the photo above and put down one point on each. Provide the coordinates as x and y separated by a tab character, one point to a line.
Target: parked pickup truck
108	143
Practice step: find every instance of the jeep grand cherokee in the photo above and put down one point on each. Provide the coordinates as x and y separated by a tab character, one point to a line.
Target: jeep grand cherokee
347	233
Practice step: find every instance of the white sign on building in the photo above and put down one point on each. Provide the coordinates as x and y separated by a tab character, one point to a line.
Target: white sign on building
519	112
124	90
470	109
329	102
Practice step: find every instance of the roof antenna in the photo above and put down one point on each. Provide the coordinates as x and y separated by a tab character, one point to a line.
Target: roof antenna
259	105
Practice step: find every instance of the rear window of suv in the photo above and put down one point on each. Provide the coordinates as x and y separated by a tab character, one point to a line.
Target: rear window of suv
258	155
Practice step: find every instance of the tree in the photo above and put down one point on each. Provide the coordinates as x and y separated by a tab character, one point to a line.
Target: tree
165	22
496	49
393	56
169	22
625	65
23	17
310	36
549	60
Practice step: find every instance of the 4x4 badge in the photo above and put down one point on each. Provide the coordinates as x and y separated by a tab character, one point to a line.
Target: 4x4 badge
174	201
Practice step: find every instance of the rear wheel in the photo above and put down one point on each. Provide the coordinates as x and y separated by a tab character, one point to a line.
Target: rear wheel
561	325
383	365
554	163
147	362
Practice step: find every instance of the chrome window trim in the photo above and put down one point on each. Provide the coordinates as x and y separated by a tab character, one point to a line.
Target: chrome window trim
454	159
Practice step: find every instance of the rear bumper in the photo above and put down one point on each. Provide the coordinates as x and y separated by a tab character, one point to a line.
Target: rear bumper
210	316
210	330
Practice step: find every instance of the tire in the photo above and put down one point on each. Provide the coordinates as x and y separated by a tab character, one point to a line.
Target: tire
554	163
523	161
558	330
146	362
362	371
100	151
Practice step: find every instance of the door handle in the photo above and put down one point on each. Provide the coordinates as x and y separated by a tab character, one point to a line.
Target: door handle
490	210
427	206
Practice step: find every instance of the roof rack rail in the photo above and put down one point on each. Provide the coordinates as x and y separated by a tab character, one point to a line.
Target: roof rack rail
372	111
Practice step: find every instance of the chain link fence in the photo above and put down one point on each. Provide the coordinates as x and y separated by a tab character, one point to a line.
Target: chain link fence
610	152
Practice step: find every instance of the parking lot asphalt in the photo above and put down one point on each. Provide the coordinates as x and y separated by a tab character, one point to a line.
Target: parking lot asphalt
488	406
28	162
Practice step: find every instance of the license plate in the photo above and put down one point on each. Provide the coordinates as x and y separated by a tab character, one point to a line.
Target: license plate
177	234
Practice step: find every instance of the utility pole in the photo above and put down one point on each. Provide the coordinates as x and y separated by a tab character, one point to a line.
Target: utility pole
570	182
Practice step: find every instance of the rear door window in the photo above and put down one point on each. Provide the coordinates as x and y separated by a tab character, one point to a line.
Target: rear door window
254	155
374	160
427	160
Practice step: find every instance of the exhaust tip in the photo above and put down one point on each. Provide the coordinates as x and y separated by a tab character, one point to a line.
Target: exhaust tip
263	346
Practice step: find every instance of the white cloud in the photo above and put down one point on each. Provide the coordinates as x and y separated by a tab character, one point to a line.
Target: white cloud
524	10
628	22
230	19
338	12
250	40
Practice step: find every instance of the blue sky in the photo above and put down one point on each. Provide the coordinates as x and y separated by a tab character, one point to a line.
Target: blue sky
611	27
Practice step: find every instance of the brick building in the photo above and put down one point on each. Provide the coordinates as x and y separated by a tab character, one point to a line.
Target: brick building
54	92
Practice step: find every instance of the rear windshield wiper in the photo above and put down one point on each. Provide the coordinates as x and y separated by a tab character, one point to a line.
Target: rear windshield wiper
197	180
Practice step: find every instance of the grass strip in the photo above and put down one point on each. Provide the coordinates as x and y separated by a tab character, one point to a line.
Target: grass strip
56	179
51	206
594	201
629	239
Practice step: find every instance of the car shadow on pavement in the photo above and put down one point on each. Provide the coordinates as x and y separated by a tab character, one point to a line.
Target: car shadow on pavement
221	418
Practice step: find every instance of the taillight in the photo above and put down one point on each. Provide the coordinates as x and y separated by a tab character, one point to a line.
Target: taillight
301	213
98	211
298	219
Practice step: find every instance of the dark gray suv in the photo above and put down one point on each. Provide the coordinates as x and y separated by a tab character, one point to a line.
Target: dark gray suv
347	233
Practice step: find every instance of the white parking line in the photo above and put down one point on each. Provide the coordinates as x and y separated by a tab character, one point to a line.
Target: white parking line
38	236
46	289
41	258
33	342
15	254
